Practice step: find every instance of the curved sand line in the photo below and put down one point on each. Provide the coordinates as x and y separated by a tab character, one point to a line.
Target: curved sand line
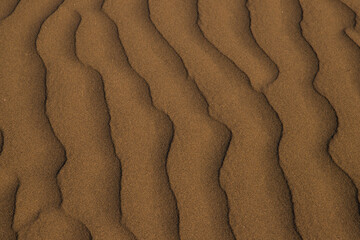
56	225
1	141
199	142
7	7
78	112
32	154
353	31
353	4
324	197
8	188
338	76
251	157
142	134
88	69
8	180
352	153
227	26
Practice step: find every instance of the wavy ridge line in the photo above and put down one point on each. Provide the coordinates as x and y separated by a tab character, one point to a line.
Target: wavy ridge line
158	131
346	159
241	48
192	39
260	88
89	79
23	216
176	55
190	104
296	42
8	9
335	114
152	103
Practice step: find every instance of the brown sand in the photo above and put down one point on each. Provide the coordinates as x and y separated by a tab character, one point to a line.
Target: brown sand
76	92
199	142
324	197
142	133
248	116
31	153
179	119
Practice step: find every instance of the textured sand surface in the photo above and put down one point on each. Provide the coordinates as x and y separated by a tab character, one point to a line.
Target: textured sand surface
179	119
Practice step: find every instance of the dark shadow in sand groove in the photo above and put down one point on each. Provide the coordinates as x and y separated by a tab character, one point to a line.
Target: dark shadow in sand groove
11	12
1	141
45	105
202	95
335	114
263	51
267	101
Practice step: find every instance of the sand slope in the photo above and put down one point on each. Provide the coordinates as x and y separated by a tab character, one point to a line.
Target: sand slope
179	119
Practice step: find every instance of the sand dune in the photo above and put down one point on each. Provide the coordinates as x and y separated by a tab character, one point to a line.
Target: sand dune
32	154
179	119
142	133
318	185
199	142
338	81
90	178
246	113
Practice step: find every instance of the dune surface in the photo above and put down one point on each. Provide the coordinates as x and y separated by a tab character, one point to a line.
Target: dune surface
318	184
179	119
338	80
247	114
199	143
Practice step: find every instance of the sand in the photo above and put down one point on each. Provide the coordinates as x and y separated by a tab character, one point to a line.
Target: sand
179	119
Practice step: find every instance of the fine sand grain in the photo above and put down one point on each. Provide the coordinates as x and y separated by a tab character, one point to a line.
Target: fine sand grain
179	119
